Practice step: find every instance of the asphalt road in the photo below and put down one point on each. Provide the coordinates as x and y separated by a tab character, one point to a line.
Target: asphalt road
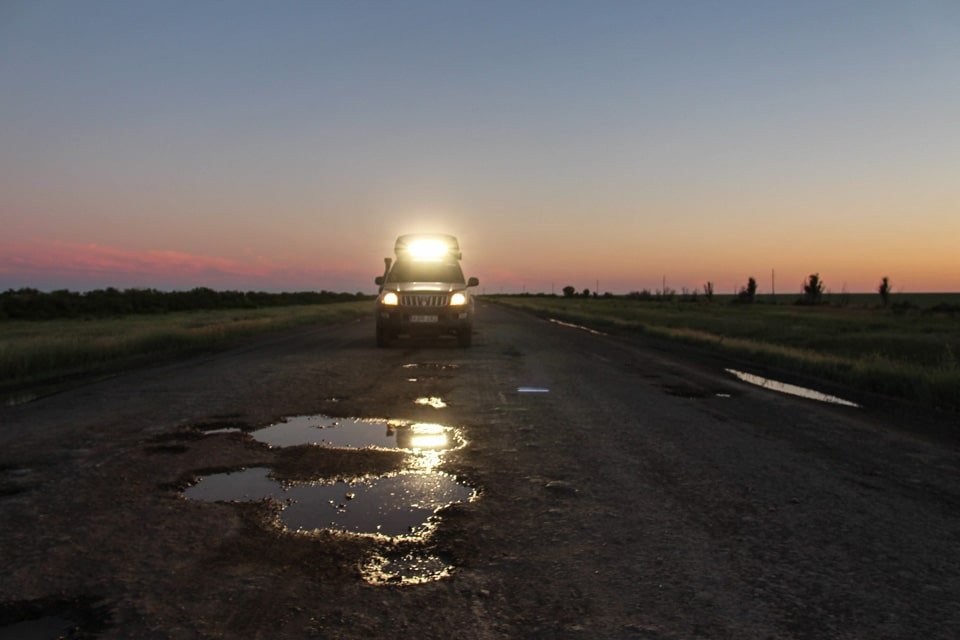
647	494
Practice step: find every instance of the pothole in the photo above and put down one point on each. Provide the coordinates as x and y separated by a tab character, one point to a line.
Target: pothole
404	569
357	433
49	619
404	506
166	449
16	480
39	628
401	505
790	389
432	401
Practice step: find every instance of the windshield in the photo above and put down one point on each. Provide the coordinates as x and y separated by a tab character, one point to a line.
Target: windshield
415	271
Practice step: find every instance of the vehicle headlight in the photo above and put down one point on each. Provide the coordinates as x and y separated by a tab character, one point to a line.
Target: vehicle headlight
458	299
390	299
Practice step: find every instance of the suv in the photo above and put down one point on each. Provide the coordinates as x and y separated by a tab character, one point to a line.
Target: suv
423	291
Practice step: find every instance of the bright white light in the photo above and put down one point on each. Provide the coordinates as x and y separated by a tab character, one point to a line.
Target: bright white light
428	249
390	299
458	299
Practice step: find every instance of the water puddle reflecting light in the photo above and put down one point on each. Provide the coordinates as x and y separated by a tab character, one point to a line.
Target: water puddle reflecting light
578	326
401	505
532	390
407	569
356	433
433	401
790	389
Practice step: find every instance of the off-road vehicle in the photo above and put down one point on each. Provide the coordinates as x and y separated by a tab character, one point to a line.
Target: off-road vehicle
423	291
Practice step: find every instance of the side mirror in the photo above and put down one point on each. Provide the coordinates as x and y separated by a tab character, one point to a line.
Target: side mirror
473	282
378	281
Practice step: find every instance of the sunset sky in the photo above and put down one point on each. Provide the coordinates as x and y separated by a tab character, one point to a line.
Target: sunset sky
284	145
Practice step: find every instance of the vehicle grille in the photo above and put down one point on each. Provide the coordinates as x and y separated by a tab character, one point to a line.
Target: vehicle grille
421	300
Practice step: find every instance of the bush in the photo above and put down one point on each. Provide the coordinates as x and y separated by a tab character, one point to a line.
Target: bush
31	304
812	289
748	293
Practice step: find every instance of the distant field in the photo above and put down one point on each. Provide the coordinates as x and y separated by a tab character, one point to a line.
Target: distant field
38	352
909	352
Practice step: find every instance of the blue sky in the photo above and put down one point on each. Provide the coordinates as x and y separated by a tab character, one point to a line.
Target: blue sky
621	141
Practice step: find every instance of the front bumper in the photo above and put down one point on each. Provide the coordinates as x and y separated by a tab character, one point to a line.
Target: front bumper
424	320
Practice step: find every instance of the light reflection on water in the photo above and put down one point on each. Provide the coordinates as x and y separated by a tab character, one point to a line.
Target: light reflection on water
396	505
577	326
406	569
433	401
357	433
790	389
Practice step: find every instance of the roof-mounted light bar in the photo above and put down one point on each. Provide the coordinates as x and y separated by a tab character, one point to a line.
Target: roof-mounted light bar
428	247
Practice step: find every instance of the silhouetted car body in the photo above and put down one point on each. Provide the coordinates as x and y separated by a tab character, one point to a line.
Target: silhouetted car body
424	292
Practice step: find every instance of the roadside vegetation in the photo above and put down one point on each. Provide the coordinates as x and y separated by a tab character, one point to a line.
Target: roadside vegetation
905	346
31	304
35	353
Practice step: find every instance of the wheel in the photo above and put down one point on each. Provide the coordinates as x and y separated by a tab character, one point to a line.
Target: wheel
383	337
465	337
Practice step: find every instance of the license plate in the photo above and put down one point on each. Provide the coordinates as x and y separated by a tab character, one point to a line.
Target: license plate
424	319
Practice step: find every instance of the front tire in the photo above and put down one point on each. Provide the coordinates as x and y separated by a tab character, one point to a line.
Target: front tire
383	338
465	337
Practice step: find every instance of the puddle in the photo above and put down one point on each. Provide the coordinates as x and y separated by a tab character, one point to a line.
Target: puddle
355	433
790	389
578	326
723	395
46	628
247	485
400	505
16	480
172	449
410	568
433	401
532	390
213	432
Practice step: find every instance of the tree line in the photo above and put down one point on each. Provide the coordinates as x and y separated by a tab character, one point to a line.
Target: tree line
811	292
32	304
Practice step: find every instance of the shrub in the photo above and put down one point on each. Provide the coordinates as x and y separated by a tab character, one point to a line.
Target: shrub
813	289
748	293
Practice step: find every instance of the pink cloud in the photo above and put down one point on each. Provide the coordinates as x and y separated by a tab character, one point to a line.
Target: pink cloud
94	265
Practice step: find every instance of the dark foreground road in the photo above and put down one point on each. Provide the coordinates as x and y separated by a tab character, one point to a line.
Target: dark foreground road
634	500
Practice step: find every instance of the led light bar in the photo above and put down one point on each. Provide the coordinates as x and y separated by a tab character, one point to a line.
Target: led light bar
428	246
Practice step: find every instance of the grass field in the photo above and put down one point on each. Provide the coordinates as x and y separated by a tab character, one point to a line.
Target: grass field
40	352
908	353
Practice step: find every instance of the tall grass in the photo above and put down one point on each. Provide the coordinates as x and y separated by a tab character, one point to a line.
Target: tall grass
40	351
909	355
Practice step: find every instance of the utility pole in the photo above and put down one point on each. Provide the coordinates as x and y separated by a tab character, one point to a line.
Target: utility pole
773	283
